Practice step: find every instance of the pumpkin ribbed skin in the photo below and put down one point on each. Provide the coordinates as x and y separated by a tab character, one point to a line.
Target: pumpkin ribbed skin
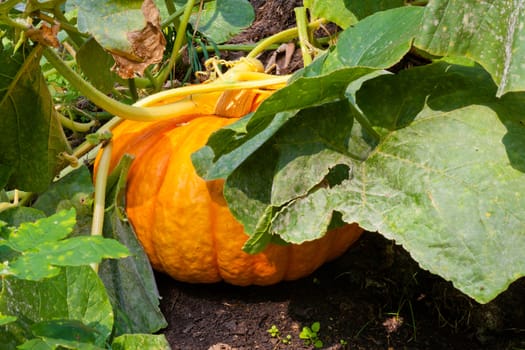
183	221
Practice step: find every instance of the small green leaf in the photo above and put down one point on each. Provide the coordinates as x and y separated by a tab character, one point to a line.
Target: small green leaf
346	13
72	330
221	20
76	251
75	190
378	41
261	237
5	319
140	342
306	333
50	229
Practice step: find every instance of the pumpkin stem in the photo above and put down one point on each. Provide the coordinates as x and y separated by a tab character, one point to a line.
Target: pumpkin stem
302	31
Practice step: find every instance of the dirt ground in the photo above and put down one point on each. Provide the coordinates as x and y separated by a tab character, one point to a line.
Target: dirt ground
374	297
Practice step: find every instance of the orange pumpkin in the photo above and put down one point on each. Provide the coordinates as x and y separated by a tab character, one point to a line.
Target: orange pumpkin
183	221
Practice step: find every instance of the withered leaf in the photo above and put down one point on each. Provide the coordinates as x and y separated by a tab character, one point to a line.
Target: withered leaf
46	35
147	45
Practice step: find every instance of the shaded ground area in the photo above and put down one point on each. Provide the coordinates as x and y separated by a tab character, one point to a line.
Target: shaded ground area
374	297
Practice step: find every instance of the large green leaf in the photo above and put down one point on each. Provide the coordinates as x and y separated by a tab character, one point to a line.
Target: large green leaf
129	30
325	81
96	64
446	181
490	32
110	21
307	154
5	173
75	294
378	41
30	134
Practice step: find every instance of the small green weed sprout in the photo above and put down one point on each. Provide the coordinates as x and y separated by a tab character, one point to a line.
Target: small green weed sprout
310	335
275	333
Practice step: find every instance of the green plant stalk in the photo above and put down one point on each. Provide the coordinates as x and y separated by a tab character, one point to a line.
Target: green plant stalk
174	14
19	196
52	71
75	126
179	39
87	146
284	36
170	6
302	31
102	115
233	47
132	87
414	327
17	199
151	78
153	113
365	123
64	24
99	202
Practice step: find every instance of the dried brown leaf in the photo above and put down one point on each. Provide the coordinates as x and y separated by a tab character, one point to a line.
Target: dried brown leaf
147	45
46	35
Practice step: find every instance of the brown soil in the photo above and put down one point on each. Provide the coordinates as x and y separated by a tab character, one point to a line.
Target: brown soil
374	297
